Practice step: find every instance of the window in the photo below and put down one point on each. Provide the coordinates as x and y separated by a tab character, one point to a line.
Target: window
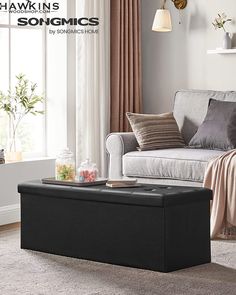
23	50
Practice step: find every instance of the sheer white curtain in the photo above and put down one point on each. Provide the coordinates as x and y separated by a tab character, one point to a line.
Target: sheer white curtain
93	89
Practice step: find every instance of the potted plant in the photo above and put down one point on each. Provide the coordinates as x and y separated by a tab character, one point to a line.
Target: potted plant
219	23
17	104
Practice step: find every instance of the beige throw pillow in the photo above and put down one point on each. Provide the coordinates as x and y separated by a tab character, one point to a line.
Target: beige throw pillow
156	131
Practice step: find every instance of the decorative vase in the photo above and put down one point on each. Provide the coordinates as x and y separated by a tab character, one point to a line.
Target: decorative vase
13	153
13	150
227	41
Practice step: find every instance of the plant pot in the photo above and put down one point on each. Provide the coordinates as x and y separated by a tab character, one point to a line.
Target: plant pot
227	41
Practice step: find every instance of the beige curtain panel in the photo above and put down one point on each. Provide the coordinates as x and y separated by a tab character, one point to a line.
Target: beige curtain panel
126	90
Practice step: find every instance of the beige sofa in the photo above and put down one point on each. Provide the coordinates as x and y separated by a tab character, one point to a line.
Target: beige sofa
179	166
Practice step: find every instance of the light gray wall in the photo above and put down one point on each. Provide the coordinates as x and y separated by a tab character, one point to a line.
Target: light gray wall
11	174
178	60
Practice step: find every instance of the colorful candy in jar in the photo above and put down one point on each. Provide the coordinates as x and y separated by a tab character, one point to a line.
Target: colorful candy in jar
65	165
65	172
87	172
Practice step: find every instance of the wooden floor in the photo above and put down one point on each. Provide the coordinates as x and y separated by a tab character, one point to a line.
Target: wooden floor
9	226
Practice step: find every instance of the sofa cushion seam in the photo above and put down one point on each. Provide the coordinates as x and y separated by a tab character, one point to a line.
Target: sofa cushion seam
192	160
166	177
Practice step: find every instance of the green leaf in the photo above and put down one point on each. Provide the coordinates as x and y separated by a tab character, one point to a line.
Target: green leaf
22	100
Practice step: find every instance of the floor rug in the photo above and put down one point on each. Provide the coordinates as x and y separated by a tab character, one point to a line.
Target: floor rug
29	272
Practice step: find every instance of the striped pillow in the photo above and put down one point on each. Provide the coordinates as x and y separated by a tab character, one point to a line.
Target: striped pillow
156	131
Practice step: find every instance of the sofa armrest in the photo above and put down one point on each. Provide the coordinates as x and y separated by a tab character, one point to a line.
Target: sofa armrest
118	144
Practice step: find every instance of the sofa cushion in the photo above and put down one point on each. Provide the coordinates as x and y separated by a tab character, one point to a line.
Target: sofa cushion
231	130
217	131
155	131
191	106
179	163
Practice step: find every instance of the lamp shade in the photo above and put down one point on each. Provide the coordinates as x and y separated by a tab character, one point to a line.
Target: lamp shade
162	21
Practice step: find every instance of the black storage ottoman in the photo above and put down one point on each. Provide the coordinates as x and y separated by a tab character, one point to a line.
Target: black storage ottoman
151	227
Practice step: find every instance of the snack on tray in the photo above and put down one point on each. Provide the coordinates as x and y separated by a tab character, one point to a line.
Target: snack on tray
65	166
87	172
65	172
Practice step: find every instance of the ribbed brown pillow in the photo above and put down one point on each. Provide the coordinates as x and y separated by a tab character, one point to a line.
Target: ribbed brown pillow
156	131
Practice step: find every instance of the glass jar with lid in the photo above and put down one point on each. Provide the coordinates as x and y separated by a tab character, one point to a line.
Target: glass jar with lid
65	165
87	172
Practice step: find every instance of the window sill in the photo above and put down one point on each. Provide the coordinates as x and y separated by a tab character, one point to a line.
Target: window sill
28	160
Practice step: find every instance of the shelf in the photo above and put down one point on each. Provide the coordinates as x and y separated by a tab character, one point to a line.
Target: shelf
222	51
